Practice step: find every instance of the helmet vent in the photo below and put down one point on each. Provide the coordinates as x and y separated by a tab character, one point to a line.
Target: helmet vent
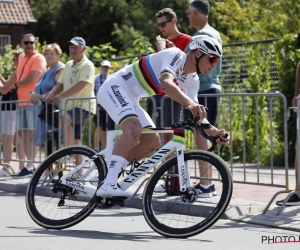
209	46
219	52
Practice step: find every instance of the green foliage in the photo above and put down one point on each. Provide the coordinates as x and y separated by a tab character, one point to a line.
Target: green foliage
288	58
6	62
256	19
249	114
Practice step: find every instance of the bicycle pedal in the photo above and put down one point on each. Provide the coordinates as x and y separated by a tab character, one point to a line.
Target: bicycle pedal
120	202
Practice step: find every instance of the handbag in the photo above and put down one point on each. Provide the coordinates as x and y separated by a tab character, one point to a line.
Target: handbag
50	114
13	95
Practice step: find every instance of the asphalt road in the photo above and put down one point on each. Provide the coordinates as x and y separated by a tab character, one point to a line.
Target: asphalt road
125	228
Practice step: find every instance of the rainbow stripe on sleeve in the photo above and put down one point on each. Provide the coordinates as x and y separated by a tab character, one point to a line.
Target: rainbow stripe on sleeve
146	77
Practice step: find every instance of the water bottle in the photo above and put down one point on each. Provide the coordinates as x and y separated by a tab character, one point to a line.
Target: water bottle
39	102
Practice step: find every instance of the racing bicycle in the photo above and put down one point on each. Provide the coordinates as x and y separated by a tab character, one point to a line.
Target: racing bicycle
55	199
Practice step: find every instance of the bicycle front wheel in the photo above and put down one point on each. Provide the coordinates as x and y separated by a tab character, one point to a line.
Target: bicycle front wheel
184	214
53	205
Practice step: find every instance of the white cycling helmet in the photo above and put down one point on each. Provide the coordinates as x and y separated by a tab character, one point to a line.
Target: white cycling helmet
207	45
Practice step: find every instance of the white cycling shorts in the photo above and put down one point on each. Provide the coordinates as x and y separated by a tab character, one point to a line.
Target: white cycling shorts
118	101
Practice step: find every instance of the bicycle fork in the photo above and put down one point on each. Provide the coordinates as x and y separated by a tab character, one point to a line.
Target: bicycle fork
183	170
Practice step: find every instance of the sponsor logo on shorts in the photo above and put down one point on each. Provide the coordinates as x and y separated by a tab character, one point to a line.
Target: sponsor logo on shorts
111	98
182	78
120	98
124	110
177	73
176	57
127	76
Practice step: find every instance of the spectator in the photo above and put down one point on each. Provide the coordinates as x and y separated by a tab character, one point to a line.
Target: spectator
76	81
209	84
100	117
31	66
167	24
294	200
8	119
43	87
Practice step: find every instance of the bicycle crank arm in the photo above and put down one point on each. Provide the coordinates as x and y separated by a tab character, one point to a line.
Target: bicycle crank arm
85	189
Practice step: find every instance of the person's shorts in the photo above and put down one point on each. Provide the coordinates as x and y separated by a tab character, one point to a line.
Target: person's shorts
8	122
119	102
171	111
25	118
78	117
103	120
212	103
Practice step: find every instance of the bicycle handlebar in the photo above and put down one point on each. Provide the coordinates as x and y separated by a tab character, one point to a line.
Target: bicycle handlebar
190	121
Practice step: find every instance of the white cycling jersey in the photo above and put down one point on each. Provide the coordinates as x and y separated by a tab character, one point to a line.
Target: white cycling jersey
143	76
119	95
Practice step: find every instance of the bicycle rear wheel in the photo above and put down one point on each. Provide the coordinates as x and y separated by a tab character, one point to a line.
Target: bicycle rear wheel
56	206
185	214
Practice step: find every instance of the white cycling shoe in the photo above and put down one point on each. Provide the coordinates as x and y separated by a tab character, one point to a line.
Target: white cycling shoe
112	191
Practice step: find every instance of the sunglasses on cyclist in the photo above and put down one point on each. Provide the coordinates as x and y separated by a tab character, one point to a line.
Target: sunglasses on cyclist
163	24
28	42
213	59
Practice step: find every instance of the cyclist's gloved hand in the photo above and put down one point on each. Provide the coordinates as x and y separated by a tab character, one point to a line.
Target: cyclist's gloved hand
222	137
189	117
197	110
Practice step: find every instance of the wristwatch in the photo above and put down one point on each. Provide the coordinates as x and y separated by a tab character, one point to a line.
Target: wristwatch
43	96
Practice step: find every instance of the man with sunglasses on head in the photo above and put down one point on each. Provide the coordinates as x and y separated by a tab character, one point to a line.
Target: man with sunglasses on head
167	71
209	84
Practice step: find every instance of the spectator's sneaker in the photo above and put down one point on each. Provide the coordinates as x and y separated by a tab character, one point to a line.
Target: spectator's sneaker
112	191
24	173
4	173
294	200
160	188
203	192
213	190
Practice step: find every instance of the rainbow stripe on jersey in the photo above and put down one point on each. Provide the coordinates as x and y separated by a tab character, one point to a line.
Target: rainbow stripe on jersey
146	77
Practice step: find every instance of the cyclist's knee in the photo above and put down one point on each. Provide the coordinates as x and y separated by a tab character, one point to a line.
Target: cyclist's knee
151	140
132	128
155	142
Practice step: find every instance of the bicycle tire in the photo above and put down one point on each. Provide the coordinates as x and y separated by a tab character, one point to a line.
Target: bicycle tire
76	218
147	205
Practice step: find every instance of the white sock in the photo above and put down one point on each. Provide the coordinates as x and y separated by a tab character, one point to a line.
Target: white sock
205	186
29	168
117	162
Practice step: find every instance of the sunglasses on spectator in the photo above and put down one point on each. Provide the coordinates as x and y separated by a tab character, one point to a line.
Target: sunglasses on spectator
163	24
213	59
28	42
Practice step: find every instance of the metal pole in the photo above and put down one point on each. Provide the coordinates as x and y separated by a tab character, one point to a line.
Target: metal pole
298	144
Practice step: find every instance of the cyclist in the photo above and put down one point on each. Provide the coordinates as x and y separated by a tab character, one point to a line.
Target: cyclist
167	71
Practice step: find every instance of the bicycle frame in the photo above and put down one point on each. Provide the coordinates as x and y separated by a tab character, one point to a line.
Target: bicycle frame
176	144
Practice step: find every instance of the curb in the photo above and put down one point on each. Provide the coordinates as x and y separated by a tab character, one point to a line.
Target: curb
235	209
